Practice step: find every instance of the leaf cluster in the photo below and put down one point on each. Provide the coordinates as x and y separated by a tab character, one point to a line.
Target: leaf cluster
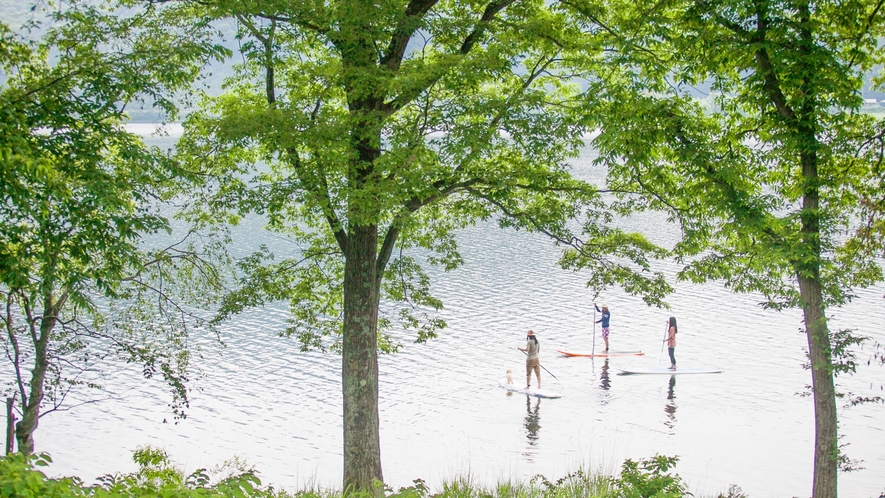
649	478
156	477
785	87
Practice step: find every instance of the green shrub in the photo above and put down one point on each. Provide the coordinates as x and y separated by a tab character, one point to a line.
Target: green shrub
155	478
649	478
20	479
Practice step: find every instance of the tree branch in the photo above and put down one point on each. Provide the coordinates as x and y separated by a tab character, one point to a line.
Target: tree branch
492	10
296	21
404	32
410	207
16	360
434	75
319	188
267	43
572	242
771	83
868	26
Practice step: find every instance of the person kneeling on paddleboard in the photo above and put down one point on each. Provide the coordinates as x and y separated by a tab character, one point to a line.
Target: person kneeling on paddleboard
533	360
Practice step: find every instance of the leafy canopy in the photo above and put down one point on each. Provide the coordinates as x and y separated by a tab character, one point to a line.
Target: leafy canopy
418	118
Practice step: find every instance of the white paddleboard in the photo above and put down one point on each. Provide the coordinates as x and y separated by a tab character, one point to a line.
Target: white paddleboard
668	371
517	388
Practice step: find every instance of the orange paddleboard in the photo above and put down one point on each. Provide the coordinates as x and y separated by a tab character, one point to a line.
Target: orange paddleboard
588	354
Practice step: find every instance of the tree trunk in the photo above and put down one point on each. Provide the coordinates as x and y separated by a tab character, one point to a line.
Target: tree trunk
24	429
10	425
362	447
823	387
826	449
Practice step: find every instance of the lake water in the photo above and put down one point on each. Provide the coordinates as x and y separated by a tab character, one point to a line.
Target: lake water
443	416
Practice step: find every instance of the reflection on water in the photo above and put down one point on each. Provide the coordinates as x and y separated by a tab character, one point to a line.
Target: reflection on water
605	383
604	379
532	423
670	407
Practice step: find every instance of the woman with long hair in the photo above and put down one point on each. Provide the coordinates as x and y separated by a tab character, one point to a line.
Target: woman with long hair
671	341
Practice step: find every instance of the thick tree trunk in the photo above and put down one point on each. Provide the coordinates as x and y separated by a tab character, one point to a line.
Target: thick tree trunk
362	290
362	447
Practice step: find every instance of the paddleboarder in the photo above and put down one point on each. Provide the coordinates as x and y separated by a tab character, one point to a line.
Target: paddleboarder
671	341
533	359
606	316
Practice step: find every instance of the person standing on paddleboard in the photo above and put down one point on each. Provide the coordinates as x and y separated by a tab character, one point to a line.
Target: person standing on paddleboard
671	341
532	350
606	316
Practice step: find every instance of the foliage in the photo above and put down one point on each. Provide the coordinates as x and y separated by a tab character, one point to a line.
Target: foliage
731	179
461	137
155	477
649	478
368	135
79	194
775	189
19	478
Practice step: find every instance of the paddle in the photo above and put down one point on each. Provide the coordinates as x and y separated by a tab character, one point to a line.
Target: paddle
593	352
666	333
545	369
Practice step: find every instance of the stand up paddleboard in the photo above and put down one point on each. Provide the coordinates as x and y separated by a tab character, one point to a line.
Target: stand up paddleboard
516	388
667	371
588	354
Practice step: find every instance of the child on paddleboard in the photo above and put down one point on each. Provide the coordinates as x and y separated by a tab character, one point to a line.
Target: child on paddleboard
606	316
671	341
533	359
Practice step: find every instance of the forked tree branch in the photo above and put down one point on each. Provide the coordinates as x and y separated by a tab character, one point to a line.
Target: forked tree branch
435	74
406	28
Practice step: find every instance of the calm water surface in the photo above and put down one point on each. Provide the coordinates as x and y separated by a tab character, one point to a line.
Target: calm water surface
443	416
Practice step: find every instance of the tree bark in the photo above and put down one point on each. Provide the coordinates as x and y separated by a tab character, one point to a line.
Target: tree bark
826	448
362	447
10	425
359	374
823	387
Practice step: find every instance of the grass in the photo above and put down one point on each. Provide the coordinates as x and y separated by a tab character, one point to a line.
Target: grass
158	477
575	484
